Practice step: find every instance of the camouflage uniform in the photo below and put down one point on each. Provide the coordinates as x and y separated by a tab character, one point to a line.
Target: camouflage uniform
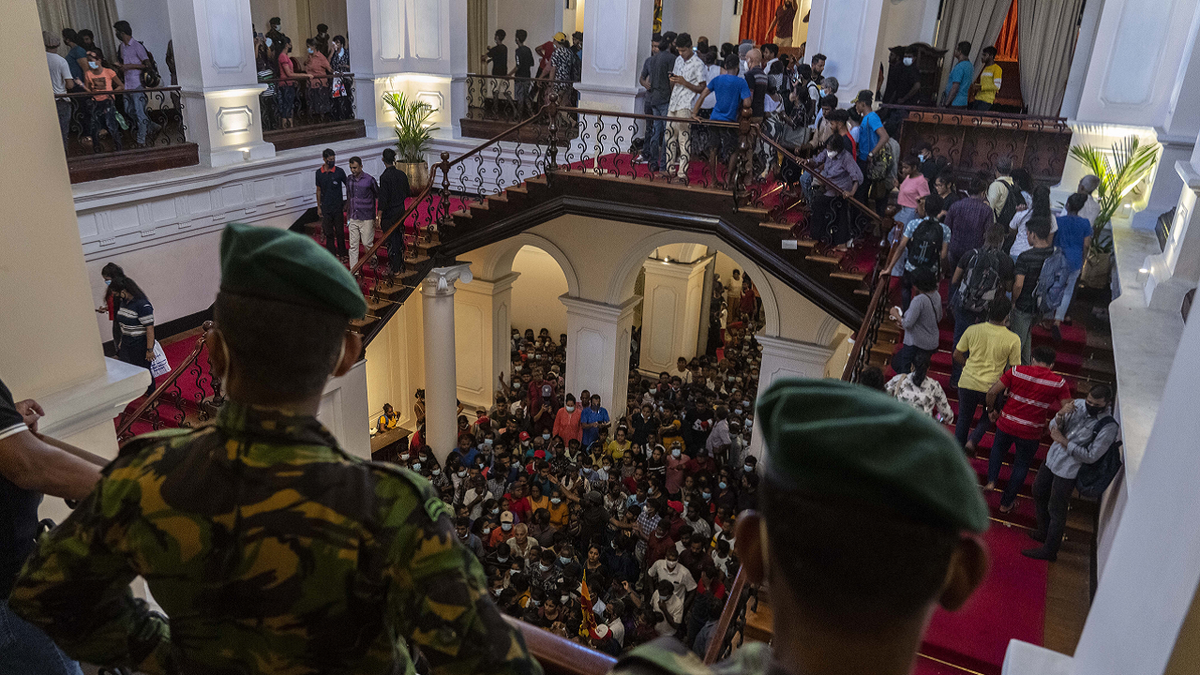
273	551
668	656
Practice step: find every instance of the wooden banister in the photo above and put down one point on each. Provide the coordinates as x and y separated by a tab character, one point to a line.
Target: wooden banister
733	600
560	656
866	210
652	118
860	337
399	223
175	373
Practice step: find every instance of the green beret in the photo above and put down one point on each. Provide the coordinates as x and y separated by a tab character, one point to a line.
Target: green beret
828	437
276	264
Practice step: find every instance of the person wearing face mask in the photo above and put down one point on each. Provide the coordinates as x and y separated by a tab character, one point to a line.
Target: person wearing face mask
100	80
339	62
567	425
316	65
274	34
903	80
136	318
676	461
280	331
829	207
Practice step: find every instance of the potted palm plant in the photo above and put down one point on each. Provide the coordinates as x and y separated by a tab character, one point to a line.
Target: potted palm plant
412	137
1121	173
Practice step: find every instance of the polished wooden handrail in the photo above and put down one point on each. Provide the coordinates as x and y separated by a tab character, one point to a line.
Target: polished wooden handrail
732	601
143	90
399	223
973	113
175	373
560	656
820	178
860	337
653	118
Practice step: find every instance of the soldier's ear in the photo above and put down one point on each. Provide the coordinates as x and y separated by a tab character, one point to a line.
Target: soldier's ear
751	545
351	349
968	566
218	354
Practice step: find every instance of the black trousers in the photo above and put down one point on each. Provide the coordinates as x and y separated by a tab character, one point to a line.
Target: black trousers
333	225
132	350
1051	495
395	243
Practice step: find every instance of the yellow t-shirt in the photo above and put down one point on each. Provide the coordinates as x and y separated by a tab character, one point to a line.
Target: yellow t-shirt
617	450
991	349
989	84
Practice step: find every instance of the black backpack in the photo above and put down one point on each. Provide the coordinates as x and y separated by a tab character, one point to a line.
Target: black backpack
1093	479
925	246
1012	199
981	282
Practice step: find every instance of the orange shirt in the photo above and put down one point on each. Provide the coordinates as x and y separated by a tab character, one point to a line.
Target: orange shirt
101	81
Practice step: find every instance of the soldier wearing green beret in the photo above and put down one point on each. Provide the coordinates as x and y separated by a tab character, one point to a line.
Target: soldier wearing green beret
270	548
870	518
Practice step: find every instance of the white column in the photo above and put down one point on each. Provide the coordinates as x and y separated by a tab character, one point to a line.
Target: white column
786	358
214	56
52	348
441	376
674	296
482	316
846	31
417	47
616	42
598	338
1127	89
1176	270
346	412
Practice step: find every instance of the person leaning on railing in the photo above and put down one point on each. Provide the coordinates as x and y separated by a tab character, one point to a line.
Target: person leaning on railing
859	541
99	79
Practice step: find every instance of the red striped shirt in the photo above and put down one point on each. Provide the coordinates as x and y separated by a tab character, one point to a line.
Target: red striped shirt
1034	395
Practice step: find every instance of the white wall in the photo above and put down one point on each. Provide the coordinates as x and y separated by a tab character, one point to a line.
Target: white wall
710	18
540	18
536	291
903	23
151	24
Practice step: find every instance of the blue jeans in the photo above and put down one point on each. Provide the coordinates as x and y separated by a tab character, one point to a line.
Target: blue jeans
654	151
902	361
962	321
26	650
1072	279
968	401
1026	448
135	109
1021	323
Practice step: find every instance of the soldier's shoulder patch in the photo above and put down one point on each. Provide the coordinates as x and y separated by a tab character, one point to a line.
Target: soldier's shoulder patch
434	507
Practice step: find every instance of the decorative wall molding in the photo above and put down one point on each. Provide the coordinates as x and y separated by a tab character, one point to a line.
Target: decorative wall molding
235	120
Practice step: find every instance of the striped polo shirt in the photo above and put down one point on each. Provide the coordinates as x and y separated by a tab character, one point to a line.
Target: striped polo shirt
134	316
1035	394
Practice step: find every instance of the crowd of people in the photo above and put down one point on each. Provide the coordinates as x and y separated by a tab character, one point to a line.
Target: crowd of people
611	531
559	63
87	70
324	58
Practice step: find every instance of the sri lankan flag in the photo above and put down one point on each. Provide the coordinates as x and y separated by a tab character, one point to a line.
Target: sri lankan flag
587	628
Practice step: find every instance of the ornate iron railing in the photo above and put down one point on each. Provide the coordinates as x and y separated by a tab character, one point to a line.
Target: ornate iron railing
106	122
307	101
497	98
169	406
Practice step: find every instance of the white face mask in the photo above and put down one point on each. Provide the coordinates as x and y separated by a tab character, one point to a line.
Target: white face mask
93	64
416	466
831	153
570	408
310	50
269	42
908	60
675	453
506	526
436	472
462	473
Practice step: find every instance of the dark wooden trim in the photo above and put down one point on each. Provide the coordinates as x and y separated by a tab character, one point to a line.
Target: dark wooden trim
317	134
559	656
84	168
818	291
171	328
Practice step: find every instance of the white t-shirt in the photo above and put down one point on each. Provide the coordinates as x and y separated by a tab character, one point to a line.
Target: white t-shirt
60	72
710	101
680	577
617	629
674	607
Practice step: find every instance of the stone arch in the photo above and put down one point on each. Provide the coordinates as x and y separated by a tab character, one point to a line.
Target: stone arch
620	285
500	262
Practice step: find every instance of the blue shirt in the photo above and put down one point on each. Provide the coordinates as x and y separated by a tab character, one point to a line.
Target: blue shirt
588	416
731	90
962	73
1072	230
868	134
76	53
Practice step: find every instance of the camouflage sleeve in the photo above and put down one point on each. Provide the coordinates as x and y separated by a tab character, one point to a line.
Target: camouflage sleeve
438	598
75	587
664	656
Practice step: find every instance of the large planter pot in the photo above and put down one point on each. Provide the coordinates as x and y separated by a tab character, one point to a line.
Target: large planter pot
1097	270
418	175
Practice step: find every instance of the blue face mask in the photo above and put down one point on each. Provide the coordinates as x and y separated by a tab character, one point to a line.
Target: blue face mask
706	495
488	441
564	560
107	282
747	468
722	485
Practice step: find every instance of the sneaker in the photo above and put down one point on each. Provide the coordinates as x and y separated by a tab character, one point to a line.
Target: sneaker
1039	554
641	159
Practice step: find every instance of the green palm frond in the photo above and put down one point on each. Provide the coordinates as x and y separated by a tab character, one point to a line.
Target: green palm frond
413	129
1121	171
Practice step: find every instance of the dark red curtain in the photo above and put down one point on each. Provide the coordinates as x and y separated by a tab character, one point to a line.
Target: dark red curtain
1006	44
756	17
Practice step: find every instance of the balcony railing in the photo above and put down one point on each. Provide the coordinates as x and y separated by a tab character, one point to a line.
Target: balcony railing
496	102
101	132
300	111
